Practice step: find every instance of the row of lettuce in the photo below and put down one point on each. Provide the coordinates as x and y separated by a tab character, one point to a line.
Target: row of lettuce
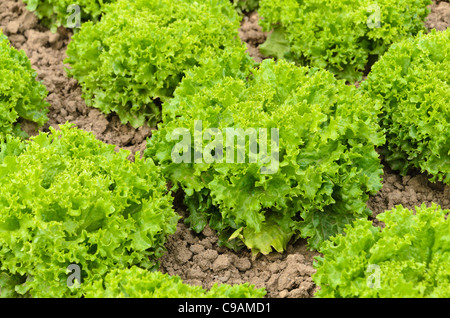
70	199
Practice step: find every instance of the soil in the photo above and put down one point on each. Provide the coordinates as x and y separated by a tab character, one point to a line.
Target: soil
197	258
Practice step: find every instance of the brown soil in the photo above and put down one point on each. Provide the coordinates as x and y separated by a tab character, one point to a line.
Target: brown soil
252	34
46	51
197	258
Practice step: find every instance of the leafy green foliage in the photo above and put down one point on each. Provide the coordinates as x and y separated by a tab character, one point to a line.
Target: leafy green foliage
21	96
409	257
244	6
339	36
412	81
135	57
327	164
67	198
136	282
56	13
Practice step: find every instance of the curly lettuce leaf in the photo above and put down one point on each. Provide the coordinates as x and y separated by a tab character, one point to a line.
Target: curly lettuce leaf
340	36
66	13
21	95
412	83
327	165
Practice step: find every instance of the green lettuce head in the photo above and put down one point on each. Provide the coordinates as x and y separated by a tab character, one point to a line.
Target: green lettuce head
134	58
66	13
271	153
340	36
21	95
136	282
71	203
413	84
408	258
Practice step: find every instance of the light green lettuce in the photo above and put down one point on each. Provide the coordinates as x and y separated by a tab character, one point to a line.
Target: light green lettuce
245	6
21	95
413	84
136	282
134	58
66	13
326	167
340	36
408	258
67	198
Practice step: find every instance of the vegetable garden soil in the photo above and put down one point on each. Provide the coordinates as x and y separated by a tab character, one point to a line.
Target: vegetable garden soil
197	258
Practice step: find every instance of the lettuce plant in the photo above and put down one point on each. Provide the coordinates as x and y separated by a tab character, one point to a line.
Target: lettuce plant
134	58
136	282
408	258
66	13
412	81
68	199
305	162
21	95
341	36
245	6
